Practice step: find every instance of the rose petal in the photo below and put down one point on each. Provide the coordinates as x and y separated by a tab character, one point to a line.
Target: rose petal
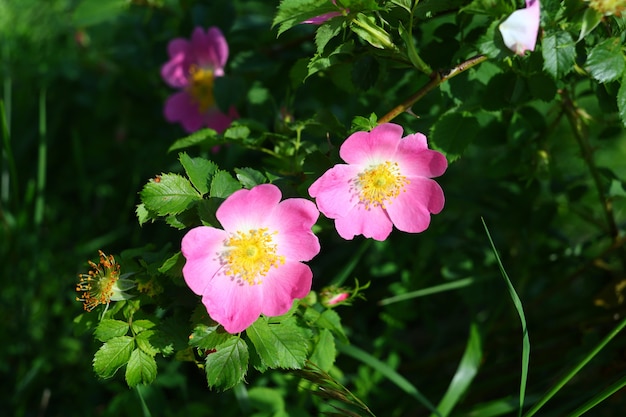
210	49
373	223
519	30
365	148
282	285
293	219
249	209
410	211
416	159
332	190
200	247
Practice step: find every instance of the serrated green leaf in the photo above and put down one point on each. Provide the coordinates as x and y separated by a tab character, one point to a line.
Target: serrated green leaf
173	265
223	185
141	325
621	100
228	365
324	351
112	355
283	345
237	133
293	12
453	133
208	337
141	368
143	215
559	53
144	343
203	136
606	60
199	171
326	32
172	194
330	320
109	328
249	177
591	19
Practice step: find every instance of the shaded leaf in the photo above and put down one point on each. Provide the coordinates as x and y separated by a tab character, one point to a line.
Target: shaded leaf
228	365
171	194
282	345
141	368
112	355
109	328
199	171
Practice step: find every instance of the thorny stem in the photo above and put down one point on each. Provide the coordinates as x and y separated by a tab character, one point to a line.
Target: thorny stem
574	115
436	78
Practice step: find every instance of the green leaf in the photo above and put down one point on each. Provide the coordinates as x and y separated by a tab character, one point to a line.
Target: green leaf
591	19
228	364
199	171
324	351
293	12
601	396
92	12
141	368
223	185
109	328
112	355
173	266
621	100
208	136
141	325
326	32
237	132
143	214
606	60
330	320
559	53
495	8
453	133
208	337
283	345
465	373
143	342
172	194
367	29
268	400
249	177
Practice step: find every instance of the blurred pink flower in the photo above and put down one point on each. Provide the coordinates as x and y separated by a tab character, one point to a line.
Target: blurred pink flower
318	20
386	182
519	30
193	66
254	265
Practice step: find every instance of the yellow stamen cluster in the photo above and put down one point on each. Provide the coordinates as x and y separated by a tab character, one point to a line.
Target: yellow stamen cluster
201	87
608	7
97	286
250	255
380	184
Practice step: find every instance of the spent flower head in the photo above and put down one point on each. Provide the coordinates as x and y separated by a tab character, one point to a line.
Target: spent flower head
253	265
193	66
103	283
386	182
519	30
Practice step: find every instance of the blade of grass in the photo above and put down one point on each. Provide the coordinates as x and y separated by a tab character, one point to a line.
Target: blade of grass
9	173
577	368
400	381
465	373
601	396
42	160
459	283
520	311
241	394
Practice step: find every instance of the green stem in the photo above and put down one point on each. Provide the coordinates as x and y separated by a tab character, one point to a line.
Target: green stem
42	160
436	78
582	137
576	369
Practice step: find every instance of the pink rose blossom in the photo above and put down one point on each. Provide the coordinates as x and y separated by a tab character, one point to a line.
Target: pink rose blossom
386	182
254	265
193	66
519	30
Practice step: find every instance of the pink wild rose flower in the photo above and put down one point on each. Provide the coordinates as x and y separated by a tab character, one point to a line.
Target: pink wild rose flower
193	66
519	30
386	182
253	265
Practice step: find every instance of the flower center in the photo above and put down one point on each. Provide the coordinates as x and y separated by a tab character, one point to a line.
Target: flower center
250	255
380	185
97	287
201	87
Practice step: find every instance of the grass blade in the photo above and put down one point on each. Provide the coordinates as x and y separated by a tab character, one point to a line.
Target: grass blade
459	283
465	373
601	396
9	173
520	311
400	381
42	161
577	368
351	264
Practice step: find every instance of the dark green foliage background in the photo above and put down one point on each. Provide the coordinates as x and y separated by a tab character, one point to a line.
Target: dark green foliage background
514	161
